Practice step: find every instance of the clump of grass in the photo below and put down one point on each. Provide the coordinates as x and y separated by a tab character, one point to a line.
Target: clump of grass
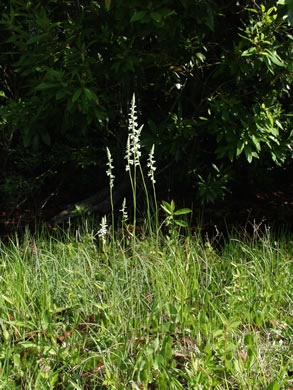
88	308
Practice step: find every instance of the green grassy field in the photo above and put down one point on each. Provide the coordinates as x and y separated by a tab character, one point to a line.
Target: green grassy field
169	312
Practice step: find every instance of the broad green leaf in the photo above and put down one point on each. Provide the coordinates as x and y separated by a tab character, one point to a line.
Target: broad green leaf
278	123
249	52
44	86
218	333
248	153
172	205
16	360
137	16
234	324
90	94
248	340
202	58
256	143
240	147
76	94
182	211
273	386
181	223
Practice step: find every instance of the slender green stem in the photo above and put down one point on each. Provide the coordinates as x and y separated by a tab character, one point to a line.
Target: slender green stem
149	220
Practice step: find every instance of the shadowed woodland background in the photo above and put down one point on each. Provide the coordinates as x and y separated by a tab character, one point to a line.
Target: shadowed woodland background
212	81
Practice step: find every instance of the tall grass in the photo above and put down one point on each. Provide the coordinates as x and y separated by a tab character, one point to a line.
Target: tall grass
86	308
177	315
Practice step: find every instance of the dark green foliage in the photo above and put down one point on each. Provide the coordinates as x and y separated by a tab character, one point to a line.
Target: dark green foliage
213	81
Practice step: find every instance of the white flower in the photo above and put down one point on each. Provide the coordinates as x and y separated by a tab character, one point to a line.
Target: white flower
102	232
110	168
133	152
151	165
124	211
128	155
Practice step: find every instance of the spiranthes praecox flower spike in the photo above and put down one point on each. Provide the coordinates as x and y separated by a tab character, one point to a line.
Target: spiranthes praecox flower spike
124	211
133	152
110	168
151	165
102	232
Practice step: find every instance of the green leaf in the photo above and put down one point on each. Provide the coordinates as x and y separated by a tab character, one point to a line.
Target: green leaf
9	300
273	386
240	147
27	344
166	12
90	94
181	223
248	340
16	360
60	94
156	16
202	58
36	38
167	348
249	52
137	16
234	324
172	206
275	58
44	86
182	211
166	209
76	94
251	10
248	153
46	319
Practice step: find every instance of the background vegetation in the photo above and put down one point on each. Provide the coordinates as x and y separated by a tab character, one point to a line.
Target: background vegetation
213	81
